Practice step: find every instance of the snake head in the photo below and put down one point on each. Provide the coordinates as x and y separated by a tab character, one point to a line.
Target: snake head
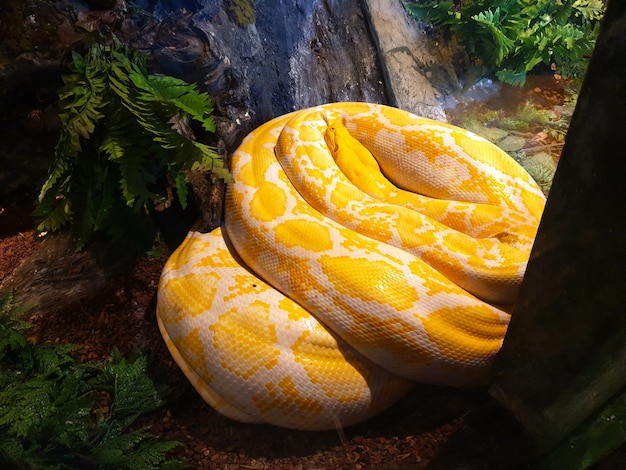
333	131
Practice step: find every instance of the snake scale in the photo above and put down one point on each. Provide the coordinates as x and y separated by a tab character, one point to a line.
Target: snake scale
364	249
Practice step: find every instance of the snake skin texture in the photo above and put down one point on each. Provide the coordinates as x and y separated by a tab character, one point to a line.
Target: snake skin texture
364	249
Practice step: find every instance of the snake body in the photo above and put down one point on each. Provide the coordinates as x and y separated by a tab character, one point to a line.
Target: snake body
363	249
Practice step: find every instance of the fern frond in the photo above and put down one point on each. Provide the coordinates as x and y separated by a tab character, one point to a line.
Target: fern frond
49	360
207	160
491	21
50	407
24	406
82	98
180	179
117	123
114	451
134	181
175	95
12	339
58	175
136	450
107	200
134	392
511	77
55	213
113	145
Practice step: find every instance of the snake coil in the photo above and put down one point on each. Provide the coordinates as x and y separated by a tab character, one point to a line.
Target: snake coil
364	249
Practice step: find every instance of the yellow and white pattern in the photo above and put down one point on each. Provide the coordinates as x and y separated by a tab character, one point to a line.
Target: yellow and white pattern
363	249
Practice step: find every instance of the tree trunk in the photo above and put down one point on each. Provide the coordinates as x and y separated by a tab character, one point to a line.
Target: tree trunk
564	356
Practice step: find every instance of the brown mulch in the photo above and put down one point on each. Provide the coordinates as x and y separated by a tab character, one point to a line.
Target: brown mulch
13	249
431	428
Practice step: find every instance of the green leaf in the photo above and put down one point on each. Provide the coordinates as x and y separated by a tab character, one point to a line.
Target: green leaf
181	188
436	12
517	79
120	88
517	35
113	146
58	214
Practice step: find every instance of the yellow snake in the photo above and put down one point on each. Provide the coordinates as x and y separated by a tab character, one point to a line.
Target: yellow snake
364	249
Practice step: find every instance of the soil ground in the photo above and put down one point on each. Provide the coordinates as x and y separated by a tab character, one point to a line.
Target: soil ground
429	424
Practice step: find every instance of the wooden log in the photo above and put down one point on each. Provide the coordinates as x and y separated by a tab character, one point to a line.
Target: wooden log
564	355
57	278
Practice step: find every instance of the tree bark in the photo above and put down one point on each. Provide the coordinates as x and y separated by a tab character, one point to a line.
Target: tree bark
564	355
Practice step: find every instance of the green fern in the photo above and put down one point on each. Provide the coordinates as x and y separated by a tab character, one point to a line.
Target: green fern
58	413
135	450
511	37
125	136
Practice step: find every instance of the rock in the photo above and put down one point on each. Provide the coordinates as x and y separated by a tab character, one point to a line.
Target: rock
296	56
511	143
404	57
492	134
545	159
335	59
29	78
293	56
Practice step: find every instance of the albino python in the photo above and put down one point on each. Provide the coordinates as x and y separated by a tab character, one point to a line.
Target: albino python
363	249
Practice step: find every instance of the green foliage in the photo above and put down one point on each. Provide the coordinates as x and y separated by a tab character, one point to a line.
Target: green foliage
58	413
511	37
125	143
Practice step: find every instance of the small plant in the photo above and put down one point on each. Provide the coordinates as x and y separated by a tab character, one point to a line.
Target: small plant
58	413
511	37
125	143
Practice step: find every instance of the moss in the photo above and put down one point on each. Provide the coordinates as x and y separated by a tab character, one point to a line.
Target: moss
243	11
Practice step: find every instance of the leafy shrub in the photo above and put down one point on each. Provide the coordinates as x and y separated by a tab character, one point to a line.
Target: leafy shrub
511	37
125	143
58	413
